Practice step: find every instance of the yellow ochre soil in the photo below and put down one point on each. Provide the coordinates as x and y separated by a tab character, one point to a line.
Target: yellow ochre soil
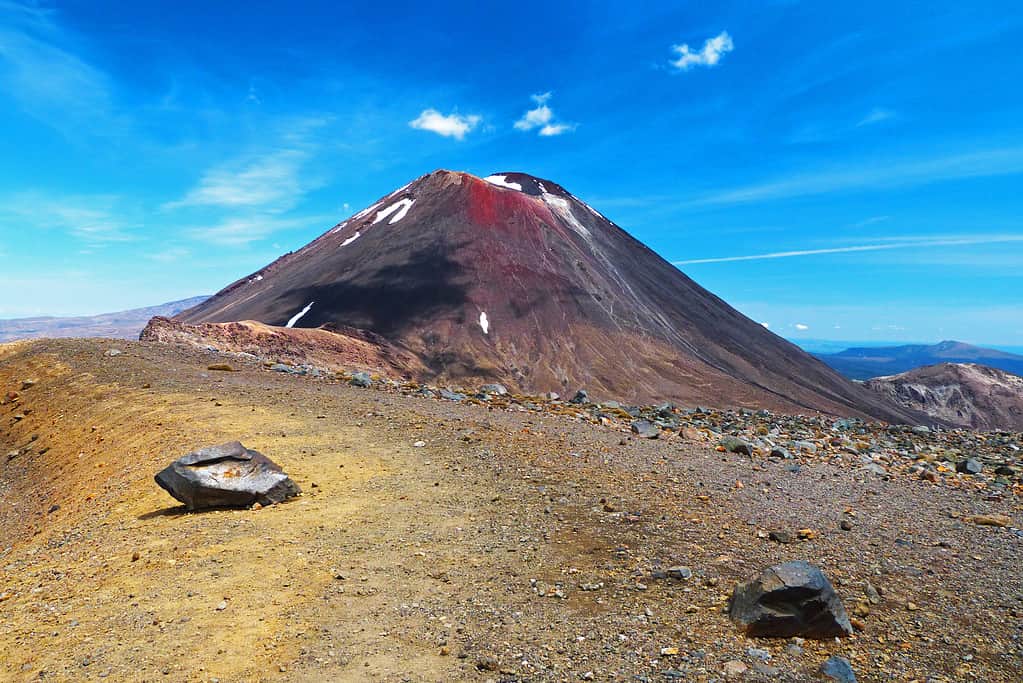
510	546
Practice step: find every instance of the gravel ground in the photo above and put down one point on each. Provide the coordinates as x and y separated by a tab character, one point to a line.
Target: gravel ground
508	546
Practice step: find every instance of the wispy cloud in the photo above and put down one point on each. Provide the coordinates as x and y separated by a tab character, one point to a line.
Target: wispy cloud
542	117
801	327
272	179
453	125
238	231
93	219
709	55
876	115
906	244
898	173
43	72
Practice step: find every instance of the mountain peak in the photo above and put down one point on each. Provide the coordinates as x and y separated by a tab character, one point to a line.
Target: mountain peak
510	278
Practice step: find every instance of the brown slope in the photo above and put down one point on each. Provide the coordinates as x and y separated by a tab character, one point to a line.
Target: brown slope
570	300
964	394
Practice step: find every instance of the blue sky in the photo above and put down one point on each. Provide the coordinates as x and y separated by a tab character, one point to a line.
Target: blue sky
836	170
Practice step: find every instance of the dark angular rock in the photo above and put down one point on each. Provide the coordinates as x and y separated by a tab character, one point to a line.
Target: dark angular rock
646	429
580	397
790	599
228	475
969	466
838	669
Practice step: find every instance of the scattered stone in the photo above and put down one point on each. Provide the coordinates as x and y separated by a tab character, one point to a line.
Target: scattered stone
969	466
495	389
228	475
27	384
846	525
734	444
781	536
361	379
419	444
281	367
220	367
838	669
680	573
646	429
758	653
110	353
765	669
989	520
487	663
580	397
790	599
449	395
734	669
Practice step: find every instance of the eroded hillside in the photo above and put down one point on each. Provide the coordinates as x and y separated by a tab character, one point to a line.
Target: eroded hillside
506	545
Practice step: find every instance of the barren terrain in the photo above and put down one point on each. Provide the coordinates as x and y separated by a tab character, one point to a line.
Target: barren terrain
508	545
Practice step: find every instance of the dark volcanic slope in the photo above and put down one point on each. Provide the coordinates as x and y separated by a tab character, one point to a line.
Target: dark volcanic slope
967	395
123	324
511	278
864	363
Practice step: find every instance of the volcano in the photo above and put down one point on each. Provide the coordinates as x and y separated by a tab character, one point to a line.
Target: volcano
510	278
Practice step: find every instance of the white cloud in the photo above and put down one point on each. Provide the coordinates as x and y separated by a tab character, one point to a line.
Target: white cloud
542	117
766	325
876	115
556	129
451	126
908	243
270	180
709	55
801	327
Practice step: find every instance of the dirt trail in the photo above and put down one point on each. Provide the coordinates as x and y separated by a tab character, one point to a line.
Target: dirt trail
462	559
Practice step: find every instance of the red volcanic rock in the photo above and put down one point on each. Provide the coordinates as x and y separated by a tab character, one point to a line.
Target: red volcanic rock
512	279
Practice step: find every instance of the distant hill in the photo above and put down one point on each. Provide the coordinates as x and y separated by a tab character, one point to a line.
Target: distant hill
964	394
122	324
864	363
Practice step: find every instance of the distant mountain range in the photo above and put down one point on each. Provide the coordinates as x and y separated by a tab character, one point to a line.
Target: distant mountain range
120	325
866	362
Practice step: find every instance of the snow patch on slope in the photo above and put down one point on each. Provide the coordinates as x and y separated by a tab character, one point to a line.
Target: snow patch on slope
351	239
339	227
401	207
295	318
563	208
365	212
484	323
502	181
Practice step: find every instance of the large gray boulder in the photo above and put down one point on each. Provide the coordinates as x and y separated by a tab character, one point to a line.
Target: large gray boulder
228	475
790	599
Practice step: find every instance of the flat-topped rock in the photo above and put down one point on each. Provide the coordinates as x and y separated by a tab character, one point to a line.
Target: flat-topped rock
228	475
